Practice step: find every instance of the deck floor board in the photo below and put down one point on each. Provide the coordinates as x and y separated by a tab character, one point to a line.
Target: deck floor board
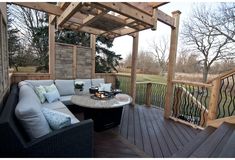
143	132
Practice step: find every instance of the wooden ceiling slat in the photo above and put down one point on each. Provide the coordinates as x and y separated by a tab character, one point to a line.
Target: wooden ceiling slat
91	19
125	10
68	12
136	15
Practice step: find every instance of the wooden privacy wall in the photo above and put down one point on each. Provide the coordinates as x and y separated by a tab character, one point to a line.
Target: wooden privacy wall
72	61
4	63
17	77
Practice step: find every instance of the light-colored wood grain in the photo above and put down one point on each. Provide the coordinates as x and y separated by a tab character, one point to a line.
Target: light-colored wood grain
128	11
93	52
51	48
134	66
217	122
3	10
213	104
171	65
187	123
17	77
75	62
192	83
69	12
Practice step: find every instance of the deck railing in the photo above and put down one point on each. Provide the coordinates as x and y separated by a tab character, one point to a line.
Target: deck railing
190	102
148	93
222	103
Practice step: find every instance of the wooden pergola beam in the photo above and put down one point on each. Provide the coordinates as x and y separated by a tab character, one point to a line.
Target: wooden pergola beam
42	6
126	10
84	29
165	18
68	12
63	5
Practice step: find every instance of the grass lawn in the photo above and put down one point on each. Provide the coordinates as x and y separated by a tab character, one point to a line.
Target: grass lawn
148	77
28	69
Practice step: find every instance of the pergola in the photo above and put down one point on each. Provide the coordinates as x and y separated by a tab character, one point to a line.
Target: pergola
111	19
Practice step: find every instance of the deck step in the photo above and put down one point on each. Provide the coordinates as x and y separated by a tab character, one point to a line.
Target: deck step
190	147
228	150
215	142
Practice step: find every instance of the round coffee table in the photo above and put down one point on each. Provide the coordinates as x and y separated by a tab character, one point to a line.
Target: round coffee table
105	113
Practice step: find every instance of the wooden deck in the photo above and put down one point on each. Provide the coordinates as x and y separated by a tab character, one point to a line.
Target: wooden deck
146	128
143	132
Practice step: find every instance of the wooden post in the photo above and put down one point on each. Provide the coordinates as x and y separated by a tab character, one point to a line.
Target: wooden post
93	52
171	64
148	95
155	19
75	62
51	48
133	66
213	104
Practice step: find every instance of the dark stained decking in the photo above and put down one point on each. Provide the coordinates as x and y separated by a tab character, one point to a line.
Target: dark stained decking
146	128
143	132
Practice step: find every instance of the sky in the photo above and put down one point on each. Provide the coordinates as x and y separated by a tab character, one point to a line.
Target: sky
123	45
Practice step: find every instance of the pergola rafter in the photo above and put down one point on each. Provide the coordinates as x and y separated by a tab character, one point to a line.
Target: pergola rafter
109	19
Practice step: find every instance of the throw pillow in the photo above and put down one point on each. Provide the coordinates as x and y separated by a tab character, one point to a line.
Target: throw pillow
56	120
52	96
105	87
40	91
50	88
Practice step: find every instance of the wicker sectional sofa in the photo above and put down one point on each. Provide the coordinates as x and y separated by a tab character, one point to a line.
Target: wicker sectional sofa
75	140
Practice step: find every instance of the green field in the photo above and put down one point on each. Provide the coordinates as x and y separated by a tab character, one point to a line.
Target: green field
148	77
28	69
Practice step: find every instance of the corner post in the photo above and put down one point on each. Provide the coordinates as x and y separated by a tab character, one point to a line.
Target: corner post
51	47
171	64
213	104
134	66
93	53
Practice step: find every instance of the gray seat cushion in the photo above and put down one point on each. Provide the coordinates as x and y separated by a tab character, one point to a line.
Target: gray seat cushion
66	100
28	111
54	105
65	87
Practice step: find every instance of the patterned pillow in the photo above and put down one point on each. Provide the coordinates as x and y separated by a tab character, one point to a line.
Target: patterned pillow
52	96
56	120
40	91
50	88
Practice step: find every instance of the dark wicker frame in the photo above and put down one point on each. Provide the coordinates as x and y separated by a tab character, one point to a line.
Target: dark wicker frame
73	141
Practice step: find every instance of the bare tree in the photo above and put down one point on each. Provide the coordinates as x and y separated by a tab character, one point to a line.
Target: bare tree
223	21
33	26
145	62
161	48
203	39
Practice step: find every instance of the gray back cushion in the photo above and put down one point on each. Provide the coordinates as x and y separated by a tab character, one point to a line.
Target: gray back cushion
87	85
28	111
97	81
37	83
65	87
